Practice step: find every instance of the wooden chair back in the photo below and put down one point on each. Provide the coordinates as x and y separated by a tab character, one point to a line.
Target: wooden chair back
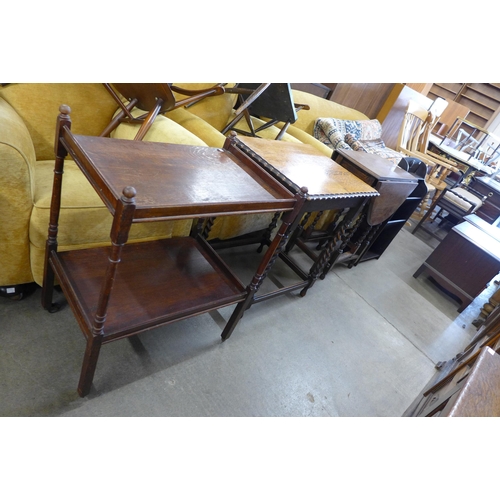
437	109
453	111
412	128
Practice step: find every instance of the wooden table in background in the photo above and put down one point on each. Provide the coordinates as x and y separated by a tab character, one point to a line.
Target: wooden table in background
386	215
464	263
329	187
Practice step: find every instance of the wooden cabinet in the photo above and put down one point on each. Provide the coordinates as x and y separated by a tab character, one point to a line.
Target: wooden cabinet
490	209
396	222
465	262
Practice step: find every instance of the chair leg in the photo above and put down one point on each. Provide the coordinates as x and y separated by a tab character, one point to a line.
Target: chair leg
426	216
436	195
420	210
148	121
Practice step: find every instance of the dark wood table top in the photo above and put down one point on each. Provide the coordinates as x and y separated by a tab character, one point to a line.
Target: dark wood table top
378	167
302	165
176	181
476	233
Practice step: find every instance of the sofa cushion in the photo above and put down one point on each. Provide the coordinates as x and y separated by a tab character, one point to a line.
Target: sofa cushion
199	127
84	220
215	110
354	143
360	135
327	134
375	146
306	138
163	129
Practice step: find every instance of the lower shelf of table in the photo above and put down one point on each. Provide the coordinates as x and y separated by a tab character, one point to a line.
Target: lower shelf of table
156	283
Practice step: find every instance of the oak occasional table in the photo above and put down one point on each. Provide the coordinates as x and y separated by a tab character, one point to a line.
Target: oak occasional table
329	187
122	290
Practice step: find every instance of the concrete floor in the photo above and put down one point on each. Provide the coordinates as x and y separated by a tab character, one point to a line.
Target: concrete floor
363	342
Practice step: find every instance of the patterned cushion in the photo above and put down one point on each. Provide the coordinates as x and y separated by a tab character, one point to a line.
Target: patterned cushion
370	130
327	128
359	135
376	147
330	136
354	143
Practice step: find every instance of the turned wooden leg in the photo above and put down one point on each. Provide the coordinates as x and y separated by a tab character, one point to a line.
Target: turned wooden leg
89	364
266	237
63	120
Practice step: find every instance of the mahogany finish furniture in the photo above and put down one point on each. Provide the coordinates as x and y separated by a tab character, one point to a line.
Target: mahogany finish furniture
386	215
121	290
329	187
486	186
465	262
494	300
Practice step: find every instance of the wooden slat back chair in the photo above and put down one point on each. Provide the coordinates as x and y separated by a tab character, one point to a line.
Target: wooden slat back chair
437	108
153	98
413	141
412	128
443	167
271	103
450	201
448	119
451	206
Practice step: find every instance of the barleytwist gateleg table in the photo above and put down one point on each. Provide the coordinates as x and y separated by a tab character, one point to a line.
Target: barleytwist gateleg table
123	289
330	187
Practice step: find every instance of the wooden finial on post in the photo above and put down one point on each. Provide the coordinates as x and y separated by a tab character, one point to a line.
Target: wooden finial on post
129	193
63	121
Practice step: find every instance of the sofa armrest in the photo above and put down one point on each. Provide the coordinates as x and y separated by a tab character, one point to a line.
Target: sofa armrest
17	163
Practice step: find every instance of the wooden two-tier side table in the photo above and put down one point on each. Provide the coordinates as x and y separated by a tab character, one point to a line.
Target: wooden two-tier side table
124	289
329	187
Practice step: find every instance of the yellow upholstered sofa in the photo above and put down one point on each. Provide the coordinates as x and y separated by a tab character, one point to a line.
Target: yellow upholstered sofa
27	130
